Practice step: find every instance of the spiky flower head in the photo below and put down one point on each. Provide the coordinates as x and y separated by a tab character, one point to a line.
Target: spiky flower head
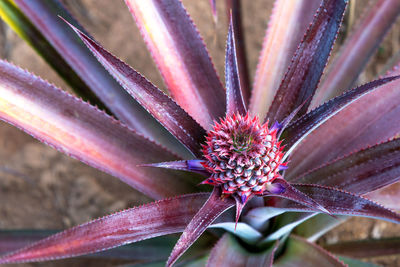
243	156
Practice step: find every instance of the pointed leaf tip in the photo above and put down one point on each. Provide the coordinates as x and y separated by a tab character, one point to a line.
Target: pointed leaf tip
155	219
190	77
213	207
234	98
279	187
85	133
194	165
303	75
158	104
303	126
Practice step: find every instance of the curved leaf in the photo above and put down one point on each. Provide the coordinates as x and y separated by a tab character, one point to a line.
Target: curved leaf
242	230
214	207
234	7
358	48
234	98
361	172
288	191
229	253
287	25
85	133
318	225
337	202
302	127
128	226
285	224
305	70
388	196
44	15
372	119
300	252
158	104
10	13
366	248
148	250
181	57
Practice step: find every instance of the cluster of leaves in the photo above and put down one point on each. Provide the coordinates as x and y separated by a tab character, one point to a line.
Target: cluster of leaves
350	152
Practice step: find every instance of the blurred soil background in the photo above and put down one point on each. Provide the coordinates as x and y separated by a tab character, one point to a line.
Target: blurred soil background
41	188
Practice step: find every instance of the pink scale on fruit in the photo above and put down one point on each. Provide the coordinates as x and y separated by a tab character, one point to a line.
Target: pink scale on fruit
243	156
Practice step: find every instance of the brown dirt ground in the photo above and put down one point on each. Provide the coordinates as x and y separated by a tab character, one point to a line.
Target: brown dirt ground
41	188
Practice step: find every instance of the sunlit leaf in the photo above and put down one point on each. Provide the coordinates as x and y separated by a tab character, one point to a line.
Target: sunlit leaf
181	57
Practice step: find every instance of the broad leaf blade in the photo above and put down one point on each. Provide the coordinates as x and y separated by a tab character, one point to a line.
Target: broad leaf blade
158	104
286	28
85	133
358	48
44	16
340	135
388	196
361	172
288	191
305	70
148	250
234	7
302	127
10	13
318	225
181	57
284	225
337	202
234	98
214	207
151	220
366	248
13	240
242	230
229	253
300	252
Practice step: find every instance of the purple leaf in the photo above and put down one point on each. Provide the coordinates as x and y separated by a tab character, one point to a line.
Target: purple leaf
132	225
229	253
27	31
337	201
13	240
361	172
358	48
234	7
372	119
388	196
187	70
234	98
281	188
286	28
305	70
44	15
302	127
300	252
366	248
214	207
149	250
158	104
85	133
213	5
194	165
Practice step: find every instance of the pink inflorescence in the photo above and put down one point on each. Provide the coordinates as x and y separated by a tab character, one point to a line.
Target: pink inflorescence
243	156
